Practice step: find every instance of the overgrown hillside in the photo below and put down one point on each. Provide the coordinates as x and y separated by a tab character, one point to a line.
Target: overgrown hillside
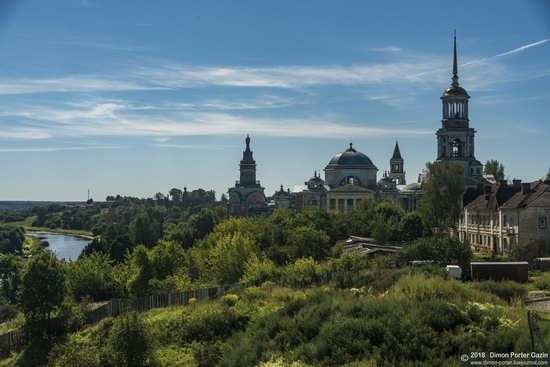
404	316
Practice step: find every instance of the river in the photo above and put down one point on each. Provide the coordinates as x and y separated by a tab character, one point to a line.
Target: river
63	246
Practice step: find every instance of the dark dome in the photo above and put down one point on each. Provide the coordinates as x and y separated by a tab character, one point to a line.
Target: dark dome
455	91
351	157
415	186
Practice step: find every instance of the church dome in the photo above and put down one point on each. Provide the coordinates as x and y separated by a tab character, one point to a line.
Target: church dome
412	187
455	91
351	157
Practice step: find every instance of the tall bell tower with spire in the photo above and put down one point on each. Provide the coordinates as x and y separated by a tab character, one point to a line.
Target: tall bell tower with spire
247	197
455	138
397	163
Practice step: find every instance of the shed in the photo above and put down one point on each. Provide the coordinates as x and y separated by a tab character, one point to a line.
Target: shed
517	271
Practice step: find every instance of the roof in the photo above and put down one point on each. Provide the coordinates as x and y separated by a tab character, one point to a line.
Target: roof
396	152
480	199
524	198
351	158
415	186
455	91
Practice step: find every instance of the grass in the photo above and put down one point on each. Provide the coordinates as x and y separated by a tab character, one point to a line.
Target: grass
27	224
71	232
12	324
31	244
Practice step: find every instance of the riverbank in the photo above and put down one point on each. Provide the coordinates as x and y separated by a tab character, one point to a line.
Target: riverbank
70	232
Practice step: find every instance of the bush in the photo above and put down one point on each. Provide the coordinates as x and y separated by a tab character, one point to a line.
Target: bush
211	324
7	312
420	288
542	282
257	270
302	273
72	353
128	343
230	299
443	250
507	290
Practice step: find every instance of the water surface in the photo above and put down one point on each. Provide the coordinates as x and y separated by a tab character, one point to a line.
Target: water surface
63	246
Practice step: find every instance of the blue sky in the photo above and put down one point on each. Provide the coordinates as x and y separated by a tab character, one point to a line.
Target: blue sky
136	97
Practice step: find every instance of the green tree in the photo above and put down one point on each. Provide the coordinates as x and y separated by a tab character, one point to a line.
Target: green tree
230	256
306	241
167	258
91	276
10	276
547	177
175	195
42	290
411	226
441	201
128	343
142	271
493	167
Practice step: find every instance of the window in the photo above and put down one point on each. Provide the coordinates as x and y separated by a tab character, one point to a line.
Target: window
543	222
457	148
332	204
350	204
341	206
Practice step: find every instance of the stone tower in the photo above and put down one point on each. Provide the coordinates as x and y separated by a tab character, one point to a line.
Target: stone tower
247	167
397	171
455	138
247	197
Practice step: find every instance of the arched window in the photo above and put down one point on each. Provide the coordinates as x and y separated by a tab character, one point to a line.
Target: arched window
457	148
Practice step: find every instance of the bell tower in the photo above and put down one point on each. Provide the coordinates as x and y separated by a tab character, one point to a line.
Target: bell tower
247	167
397	171
455	138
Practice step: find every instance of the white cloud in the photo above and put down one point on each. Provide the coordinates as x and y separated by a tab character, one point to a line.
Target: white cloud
417	70
185	146
53	149
118	119
24	133
387	49
162	139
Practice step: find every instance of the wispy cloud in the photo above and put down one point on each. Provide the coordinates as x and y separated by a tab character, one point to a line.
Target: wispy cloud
79	83
523	48
24	133
53	149
161	74
185	146
387	49
117	119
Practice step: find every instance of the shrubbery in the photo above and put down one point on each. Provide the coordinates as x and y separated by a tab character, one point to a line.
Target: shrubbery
303	272
433	322
507	290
